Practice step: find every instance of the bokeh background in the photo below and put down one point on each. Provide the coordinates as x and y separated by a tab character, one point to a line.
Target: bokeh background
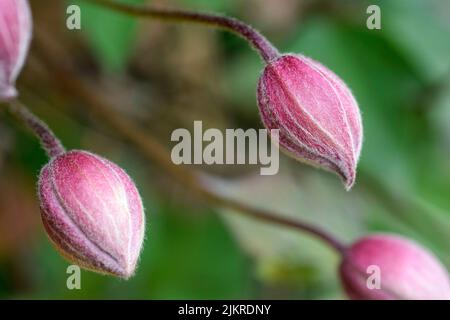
165	76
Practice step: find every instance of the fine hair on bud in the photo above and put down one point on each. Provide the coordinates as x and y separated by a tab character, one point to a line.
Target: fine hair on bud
15	36
92	212
316	113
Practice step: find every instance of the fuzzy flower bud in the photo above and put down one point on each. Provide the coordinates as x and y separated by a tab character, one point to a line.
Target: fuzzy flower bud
405	270
15	36
92	212
317	115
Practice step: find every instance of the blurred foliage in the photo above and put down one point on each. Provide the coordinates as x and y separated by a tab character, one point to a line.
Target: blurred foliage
399	75
110	35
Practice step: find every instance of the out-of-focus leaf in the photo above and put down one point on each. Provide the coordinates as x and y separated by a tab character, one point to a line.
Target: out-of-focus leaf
397	143
241	81
439	116
414	27
297	260
218	6
381	82
192	257
435	177
110	34
285	256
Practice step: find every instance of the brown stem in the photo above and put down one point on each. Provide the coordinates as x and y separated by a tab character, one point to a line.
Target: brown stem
266	50
49	141
70	81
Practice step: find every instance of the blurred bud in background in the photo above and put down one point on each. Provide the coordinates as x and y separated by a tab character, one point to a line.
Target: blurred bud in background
405	269
15	36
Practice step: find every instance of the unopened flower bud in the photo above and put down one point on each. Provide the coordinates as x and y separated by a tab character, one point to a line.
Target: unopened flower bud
15	36
92	212
317	115
387	267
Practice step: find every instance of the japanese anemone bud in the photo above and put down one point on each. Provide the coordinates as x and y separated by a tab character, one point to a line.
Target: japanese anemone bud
15	36
317	115
92	212
405	270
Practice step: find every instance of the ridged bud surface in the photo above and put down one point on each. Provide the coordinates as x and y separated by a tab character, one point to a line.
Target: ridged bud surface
92	212
317	115
15	36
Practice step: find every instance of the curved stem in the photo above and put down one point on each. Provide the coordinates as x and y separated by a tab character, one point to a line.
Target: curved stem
274	218
158	154
69	81
266	50
153	150
49	141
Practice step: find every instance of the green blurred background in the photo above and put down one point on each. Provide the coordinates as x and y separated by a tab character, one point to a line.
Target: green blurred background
165	76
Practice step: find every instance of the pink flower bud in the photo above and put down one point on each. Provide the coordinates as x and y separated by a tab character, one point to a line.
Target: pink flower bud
405	270
92	212
318	118
15	36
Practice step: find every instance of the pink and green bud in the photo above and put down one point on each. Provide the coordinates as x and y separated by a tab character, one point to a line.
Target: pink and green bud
15	36
317	115
92	212
386	267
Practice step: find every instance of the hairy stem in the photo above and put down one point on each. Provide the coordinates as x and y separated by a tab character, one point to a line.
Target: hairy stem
266	50
50	143
68	80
